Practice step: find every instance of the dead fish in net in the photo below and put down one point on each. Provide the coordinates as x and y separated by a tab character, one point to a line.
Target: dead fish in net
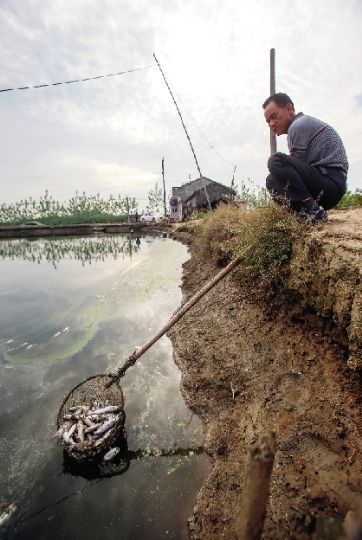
105	410
90	429
80	431
79	408
111	454
89	423
59	434
105	427
68	434
96	417
102	440
86	427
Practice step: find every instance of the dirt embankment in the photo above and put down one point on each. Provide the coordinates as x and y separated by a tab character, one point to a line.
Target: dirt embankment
248	369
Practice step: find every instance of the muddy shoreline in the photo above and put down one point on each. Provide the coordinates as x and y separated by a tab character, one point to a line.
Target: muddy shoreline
248	369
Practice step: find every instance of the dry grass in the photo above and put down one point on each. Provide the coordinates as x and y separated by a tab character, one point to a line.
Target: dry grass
262	237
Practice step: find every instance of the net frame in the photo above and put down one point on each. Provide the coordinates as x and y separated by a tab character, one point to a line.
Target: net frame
85	393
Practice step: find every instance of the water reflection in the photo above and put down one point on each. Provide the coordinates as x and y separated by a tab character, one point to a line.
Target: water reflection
98	468
48	316
84	320
83	249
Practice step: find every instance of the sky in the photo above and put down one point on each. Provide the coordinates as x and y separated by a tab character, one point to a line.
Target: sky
109	135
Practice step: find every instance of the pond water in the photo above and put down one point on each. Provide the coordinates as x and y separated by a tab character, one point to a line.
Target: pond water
71	308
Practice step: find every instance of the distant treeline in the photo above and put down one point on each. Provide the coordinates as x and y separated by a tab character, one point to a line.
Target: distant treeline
78	209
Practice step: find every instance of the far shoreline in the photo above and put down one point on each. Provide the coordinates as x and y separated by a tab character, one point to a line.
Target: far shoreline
38	231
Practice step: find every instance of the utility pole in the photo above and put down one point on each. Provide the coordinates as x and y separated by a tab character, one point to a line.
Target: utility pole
273	139
164	186
127	206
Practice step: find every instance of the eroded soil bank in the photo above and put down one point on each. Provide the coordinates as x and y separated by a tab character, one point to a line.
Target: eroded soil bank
248	368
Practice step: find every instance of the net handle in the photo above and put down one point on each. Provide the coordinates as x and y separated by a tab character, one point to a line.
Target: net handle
132	359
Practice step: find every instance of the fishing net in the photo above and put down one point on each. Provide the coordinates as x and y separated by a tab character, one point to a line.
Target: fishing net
95	468
93	389
96	388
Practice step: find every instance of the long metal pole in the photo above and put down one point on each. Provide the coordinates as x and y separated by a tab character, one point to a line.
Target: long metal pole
187	135
273	139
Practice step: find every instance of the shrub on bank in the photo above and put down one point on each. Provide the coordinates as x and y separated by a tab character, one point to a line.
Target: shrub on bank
350	200
262	237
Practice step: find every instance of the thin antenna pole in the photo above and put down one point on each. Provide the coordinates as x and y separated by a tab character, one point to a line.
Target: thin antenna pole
164	186
273	139
233	181
187	135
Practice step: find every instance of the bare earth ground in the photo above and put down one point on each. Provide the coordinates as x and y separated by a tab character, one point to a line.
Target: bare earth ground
248	369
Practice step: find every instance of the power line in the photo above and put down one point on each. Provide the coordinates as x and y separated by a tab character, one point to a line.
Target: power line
86	79
76	80
211	146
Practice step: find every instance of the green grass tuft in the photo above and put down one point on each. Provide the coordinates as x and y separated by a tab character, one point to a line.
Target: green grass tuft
262	237
349	200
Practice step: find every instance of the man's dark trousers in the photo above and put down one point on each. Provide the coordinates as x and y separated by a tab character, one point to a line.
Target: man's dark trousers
292	181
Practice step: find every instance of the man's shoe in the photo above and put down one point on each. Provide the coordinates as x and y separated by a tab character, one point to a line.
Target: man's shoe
313	215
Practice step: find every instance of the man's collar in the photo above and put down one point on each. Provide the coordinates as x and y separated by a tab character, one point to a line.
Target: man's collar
296	116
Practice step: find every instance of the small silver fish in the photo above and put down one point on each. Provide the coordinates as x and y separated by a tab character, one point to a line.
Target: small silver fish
80	431
111	454
105	426
72	429
72	416
68	434
59	433
91	428
108	409
96	417
100	441
88	422
80	408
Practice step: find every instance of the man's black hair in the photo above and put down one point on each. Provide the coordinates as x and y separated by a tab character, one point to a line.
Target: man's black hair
280	99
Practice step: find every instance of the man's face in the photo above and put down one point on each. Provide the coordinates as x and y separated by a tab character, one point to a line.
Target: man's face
279	118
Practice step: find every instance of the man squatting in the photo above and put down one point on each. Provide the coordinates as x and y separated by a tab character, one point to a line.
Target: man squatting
313	177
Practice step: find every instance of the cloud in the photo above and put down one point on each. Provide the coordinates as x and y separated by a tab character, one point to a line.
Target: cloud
359	101
115	131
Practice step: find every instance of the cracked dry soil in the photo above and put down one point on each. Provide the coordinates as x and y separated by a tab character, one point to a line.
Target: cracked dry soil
248	369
